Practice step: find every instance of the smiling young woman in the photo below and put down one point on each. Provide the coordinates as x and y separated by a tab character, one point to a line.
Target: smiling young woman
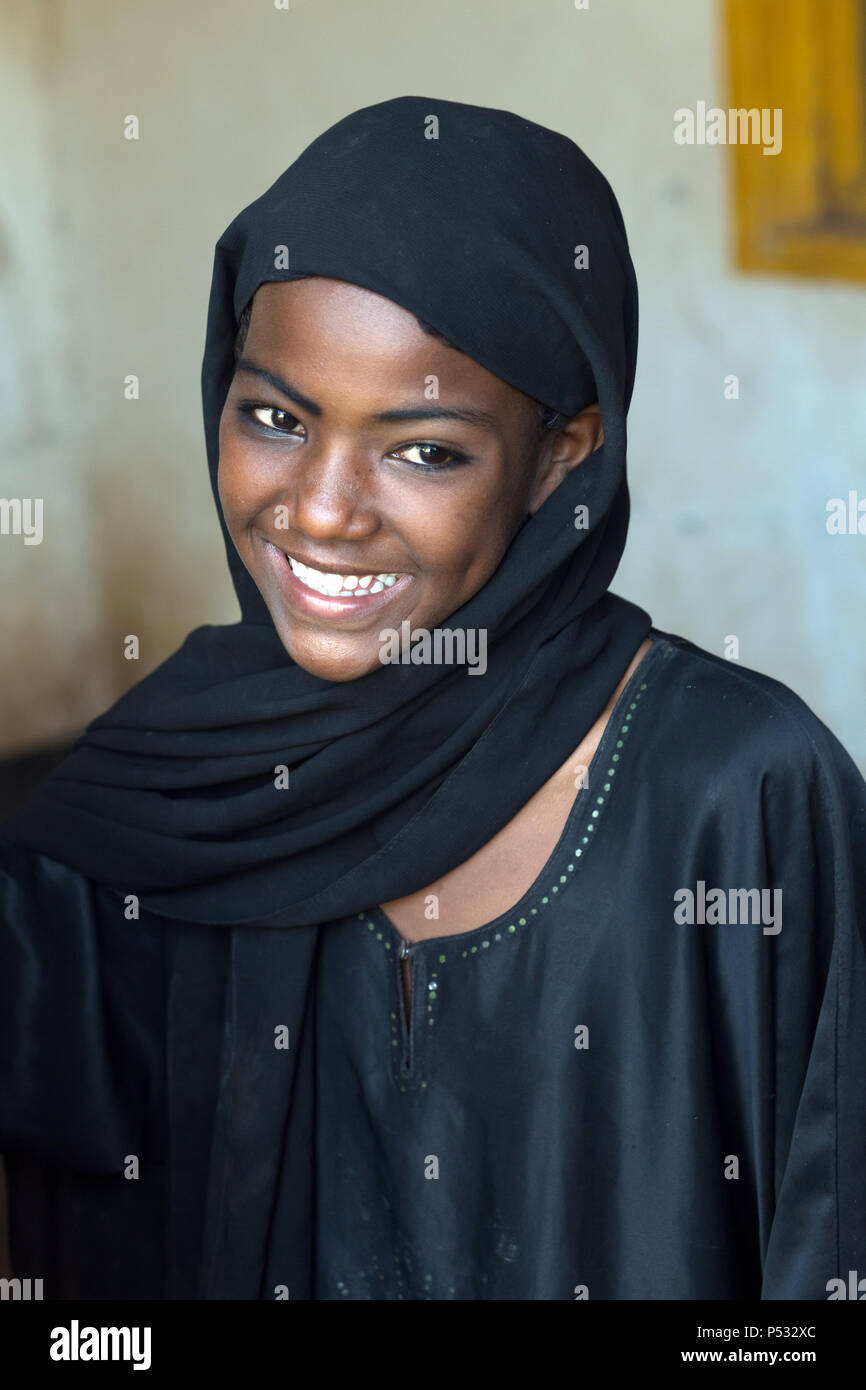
380	971
408	527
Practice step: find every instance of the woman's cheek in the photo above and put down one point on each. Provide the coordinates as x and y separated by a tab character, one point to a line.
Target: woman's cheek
238	484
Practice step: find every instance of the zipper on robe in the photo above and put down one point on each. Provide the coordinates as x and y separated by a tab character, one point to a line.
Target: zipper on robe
407	1014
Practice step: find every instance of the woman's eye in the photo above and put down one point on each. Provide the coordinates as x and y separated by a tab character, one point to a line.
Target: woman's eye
430	455
272	418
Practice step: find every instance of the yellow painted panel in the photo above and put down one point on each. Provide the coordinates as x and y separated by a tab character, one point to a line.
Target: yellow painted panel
802	212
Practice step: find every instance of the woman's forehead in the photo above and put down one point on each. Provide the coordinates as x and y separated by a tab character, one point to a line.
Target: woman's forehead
344	338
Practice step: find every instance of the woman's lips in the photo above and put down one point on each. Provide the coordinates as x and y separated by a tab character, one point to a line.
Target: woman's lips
310	603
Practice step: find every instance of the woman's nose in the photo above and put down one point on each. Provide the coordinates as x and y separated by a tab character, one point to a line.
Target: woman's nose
329	495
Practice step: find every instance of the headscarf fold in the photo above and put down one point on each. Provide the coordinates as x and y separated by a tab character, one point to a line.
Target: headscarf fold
504	237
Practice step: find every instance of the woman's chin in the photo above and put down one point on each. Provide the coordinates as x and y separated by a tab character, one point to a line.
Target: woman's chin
330	659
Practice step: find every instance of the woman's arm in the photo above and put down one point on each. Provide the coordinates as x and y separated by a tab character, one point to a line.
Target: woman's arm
817	1240
81	1017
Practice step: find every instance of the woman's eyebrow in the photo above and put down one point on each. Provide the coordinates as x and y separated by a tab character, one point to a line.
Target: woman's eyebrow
469	414
246	364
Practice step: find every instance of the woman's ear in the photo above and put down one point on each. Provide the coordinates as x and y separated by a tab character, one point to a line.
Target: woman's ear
568	446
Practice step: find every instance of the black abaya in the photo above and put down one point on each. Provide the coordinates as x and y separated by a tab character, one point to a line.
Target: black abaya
591	1098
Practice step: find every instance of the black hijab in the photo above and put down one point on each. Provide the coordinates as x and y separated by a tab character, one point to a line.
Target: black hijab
474	222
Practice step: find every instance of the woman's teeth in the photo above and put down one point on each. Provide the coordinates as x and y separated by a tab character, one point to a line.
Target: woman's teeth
341	585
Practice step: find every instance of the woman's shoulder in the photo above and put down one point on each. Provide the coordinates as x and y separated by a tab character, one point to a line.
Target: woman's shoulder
39	892
28	867
717	718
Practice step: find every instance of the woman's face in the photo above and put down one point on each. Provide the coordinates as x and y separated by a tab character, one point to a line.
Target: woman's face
369	473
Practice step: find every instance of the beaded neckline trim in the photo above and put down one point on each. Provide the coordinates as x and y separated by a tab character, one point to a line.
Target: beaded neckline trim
578	833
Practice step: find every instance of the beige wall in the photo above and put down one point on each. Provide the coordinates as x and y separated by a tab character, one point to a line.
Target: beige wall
105	257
